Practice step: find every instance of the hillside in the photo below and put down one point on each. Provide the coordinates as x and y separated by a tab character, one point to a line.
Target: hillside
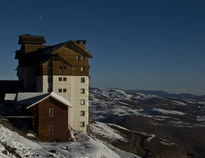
123	124
178	120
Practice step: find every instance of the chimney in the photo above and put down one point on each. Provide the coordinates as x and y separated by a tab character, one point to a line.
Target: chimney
81	43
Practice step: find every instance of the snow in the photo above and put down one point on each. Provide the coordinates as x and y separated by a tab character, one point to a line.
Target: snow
113	94
150	138
168	112
200	118
10	96
23	146
179	103
201	103
60	98
105	131
166	142
83	147
21	96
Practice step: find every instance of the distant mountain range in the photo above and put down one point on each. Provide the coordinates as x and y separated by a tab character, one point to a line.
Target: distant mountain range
166	94
177	118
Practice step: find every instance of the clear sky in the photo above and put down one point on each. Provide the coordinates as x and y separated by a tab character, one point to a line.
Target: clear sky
136	44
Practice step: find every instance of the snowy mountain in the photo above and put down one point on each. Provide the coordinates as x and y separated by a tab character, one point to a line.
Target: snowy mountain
14	145
123	124
175	119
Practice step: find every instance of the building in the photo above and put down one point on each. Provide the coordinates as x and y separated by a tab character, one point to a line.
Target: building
48	114
9	86
62	68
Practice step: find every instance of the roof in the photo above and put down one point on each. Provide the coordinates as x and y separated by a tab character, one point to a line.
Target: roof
31	39
32	98
69	44
10	96
55	96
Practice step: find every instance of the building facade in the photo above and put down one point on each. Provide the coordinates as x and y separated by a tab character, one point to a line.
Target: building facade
62	68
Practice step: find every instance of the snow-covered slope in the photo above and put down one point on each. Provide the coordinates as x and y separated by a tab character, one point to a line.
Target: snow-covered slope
110	109
14	145
113	104
171	117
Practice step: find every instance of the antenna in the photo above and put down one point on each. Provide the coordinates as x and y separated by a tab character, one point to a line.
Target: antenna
40	24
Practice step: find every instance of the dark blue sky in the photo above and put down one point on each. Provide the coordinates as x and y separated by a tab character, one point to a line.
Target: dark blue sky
136	44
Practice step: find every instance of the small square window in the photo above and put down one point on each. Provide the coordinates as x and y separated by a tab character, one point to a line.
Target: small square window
64	90
82	124
50	129
78	57
82	91
50	112
60	79
82	113
60	90
65	67
82	102
64	79
82	79
60	67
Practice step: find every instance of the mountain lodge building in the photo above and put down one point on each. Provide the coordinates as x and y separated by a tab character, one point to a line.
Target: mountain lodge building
60	73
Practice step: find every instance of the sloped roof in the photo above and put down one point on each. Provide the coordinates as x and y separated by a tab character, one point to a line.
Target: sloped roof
55	96
10	96
70	44
31	39
32	98
58	57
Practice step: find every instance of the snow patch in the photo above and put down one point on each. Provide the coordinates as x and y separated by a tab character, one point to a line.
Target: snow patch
168	112
200	118
105	131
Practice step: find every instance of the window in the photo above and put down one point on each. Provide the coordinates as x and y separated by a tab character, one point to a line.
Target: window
82	113
82	102
64	90
50	112
64	79
78	57
60	79
82	91
65	67
82	124
60	67
50	129
83	58
60	90
82	68
82	79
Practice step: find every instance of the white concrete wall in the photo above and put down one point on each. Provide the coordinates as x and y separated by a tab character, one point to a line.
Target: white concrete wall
73	88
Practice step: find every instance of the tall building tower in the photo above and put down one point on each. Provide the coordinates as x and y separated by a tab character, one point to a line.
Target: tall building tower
62	68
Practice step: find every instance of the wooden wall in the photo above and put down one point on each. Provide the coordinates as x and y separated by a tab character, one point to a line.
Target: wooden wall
68	65
59	120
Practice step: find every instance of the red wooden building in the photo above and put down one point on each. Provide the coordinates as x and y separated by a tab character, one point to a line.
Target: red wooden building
50	113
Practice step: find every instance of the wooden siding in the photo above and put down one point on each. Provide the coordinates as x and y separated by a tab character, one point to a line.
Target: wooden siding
73	66
31	47
59	121
34	112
